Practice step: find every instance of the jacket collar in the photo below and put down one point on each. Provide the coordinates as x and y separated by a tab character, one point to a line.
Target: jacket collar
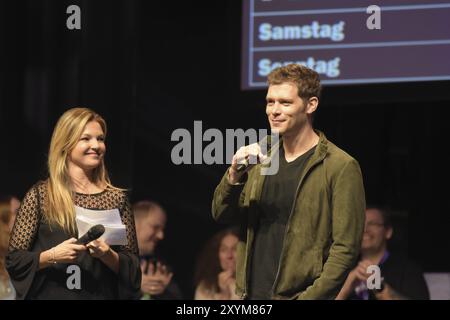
319	154
321	148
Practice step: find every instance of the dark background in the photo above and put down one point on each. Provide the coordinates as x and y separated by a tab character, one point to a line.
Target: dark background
151	67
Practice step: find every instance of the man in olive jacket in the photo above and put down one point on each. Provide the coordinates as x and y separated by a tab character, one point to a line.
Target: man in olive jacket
302	227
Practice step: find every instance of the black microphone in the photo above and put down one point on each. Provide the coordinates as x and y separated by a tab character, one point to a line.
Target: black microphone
93	233
243	166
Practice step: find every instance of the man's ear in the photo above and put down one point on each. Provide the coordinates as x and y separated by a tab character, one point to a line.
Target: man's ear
312	105
389	233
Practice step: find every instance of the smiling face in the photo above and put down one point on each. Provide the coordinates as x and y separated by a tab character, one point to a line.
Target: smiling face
227	252
376	233
286	111
150	230
89	151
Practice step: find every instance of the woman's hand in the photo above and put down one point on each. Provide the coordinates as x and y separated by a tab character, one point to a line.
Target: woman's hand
101	250
98	248
226	280
65	252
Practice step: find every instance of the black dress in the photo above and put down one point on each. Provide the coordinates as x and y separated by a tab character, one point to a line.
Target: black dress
32	234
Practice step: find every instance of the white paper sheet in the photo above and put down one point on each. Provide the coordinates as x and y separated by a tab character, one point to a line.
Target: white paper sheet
115	231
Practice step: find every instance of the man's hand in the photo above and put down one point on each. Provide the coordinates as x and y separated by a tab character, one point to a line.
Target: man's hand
388	293
251	155
359	273
155	280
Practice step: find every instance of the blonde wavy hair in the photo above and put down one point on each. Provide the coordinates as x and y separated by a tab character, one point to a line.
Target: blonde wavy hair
59	205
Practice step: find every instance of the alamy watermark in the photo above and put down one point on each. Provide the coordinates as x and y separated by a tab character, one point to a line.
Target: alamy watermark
74	20
74	280
190	149
374	20
374	280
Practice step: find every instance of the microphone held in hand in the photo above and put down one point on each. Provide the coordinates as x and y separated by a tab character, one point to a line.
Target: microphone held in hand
264	144
93	233
242	166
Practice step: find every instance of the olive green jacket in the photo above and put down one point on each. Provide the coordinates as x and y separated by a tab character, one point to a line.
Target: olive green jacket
324	230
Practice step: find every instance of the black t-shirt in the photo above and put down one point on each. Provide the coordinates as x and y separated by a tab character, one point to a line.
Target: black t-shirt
404	276
276	203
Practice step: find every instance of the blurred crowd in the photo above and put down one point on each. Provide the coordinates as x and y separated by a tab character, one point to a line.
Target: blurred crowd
215	269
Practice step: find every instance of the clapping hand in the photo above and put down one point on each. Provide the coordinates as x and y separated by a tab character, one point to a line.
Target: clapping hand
155	277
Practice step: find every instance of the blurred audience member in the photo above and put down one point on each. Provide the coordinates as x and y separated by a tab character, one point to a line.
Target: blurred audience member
215	277
7	291
14	203
401	278
157	282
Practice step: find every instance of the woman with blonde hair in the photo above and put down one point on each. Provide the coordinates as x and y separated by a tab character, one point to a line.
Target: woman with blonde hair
43	256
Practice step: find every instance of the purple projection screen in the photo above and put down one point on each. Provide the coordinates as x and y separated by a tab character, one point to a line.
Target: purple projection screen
333	38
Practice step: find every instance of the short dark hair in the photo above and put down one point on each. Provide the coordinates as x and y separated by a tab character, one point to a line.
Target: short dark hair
143	208
306	79
384	212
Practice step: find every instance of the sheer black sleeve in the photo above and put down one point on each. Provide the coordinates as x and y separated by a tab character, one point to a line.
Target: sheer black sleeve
26	223
129	268
128	221
21	263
